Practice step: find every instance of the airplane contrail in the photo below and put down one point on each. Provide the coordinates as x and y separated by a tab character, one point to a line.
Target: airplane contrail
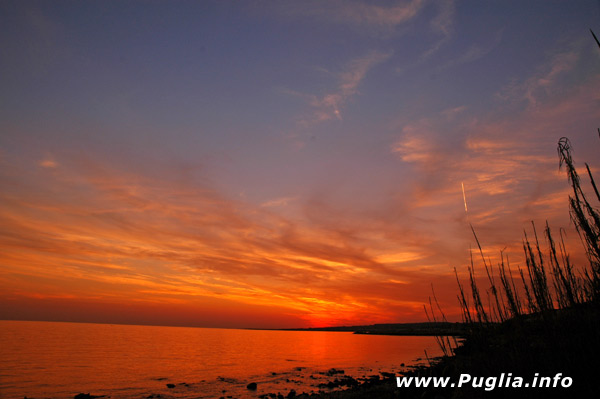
464	196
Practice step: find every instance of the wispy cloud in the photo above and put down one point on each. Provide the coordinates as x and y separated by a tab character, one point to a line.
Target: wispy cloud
277	202
357	13
442	28
544	82
329	106
442	24
473	53
372	14
48	162
416	144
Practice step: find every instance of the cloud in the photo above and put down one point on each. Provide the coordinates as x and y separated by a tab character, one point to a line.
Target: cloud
372	14
414	146
329	106
545	82
473	53
450	113
442	27
442	24
357	13
48	163
277	202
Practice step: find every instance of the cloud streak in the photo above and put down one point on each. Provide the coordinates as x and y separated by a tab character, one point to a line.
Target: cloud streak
543	84
330	105
358	13
442	24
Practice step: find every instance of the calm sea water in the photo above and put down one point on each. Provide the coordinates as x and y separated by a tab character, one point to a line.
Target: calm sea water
59	360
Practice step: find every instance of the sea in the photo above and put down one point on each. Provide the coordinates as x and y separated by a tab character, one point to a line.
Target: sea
60	360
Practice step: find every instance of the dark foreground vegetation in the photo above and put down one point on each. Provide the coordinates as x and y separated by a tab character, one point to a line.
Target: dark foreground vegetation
543	318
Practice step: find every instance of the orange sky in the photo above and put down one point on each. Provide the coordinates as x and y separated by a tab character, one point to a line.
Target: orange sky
189	174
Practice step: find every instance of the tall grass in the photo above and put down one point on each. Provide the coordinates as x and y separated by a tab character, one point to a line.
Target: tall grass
543	317
549	281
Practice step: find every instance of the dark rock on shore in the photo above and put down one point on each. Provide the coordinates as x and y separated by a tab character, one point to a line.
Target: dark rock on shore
346	381
170	386
252	386
225	379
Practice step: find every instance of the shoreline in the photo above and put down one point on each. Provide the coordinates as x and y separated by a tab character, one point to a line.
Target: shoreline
431	329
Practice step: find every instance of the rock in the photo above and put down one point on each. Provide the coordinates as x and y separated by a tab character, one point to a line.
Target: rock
350	381
252	386
347	381
291	394
170	386
84	396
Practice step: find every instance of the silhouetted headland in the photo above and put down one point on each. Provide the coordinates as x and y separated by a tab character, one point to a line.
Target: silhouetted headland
406	329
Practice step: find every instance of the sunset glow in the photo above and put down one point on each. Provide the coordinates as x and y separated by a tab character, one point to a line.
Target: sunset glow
280	164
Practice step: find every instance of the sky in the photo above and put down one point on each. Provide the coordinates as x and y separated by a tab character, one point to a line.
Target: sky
276	164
